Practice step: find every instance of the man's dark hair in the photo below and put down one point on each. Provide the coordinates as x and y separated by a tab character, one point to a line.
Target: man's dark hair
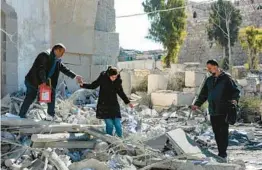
58	46
213	62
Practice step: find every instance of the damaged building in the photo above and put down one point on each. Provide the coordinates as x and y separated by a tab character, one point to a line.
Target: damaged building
86	28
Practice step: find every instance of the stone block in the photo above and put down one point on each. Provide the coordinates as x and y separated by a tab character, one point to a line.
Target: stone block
11	74
189	165
71	34
252	85
176	81
183	144
83	68
106	44
157	82
88	164
139	78
104	60
96	70
77	10
126	82
177	67
194	79
107	3
168	98
157	142
239	72
105	19
191	90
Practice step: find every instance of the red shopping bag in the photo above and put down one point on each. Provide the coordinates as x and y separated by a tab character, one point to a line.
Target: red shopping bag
45	94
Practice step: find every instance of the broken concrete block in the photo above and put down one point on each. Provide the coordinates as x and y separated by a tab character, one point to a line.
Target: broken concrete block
65	144
126	82
177	67
194	79
157	82
88	163
183	144
59	137
252	84
190	90
157	142
167	98
239	72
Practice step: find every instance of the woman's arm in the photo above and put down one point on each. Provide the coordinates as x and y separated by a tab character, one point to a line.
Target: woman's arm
93	85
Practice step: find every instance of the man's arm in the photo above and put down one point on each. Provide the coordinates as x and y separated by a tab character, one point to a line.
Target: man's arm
67	71
235	92
202	96
122	94
41	62
95	84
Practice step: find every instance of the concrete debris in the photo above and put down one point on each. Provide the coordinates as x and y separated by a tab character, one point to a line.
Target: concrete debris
91	163
156	135
184	144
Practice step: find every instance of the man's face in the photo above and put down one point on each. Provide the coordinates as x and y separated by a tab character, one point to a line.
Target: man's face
113	78
59	52
212	69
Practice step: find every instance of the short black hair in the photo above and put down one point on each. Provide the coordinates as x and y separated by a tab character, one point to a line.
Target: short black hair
213	62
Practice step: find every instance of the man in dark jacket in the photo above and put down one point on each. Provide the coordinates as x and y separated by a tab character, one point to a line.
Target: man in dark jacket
45	71
220	91
108	107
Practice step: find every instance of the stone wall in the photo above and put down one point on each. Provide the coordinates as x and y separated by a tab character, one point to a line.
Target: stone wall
33	35
86	28
197	48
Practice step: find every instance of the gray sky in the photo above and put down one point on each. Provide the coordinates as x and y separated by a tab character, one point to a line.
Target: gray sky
132	30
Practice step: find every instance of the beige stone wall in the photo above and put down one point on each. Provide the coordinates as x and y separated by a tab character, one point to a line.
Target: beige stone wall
197	48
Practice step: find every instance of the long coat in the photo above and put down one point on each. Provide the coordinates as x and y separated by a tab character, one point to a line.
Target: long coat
219	92
108	106
38	73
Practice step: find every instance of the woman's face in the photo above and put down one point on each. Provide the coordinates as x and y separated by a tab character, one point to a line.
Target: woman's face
113	77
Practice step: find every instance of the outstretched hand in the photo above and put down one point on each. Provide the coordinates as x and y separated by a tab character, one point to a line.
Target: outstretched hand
131	105
79	80
194	107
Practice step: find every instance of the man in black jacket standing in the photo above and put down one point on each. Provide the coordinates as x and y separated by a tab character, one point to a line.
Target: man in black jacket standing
45	71
220	91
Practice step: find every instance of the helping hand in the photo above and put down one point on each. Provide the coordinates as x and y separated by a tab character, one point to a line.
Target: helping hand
79	79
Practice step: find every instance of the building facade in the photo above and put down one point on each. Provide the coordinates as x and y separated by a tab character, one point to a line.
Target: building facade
86	28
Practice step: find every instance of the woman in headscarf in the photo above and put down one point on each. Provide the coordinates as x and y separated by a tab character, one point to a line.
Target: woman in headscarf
108	107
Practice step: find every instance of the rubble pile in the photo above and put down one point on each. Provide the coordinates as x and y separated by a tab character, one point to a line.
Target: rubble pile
76	139
162	134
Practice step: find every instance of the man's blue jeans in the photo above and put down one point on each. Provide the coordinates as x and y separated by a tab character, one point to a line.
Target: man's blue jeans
111	123
31	94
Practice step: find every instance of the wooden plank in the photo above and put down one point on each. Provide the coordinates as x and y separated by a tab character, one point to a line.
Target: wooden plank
65	144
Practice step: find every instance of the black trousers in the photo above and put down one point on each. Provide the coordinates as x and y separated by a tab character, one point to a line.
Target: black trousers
31	94
220	129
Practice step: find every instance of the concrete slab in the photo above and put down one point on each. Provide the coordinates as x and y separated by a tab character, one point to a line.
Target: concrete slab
126	82
157	82
239	72
189	165
167	98
157	142
193	78
183	144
